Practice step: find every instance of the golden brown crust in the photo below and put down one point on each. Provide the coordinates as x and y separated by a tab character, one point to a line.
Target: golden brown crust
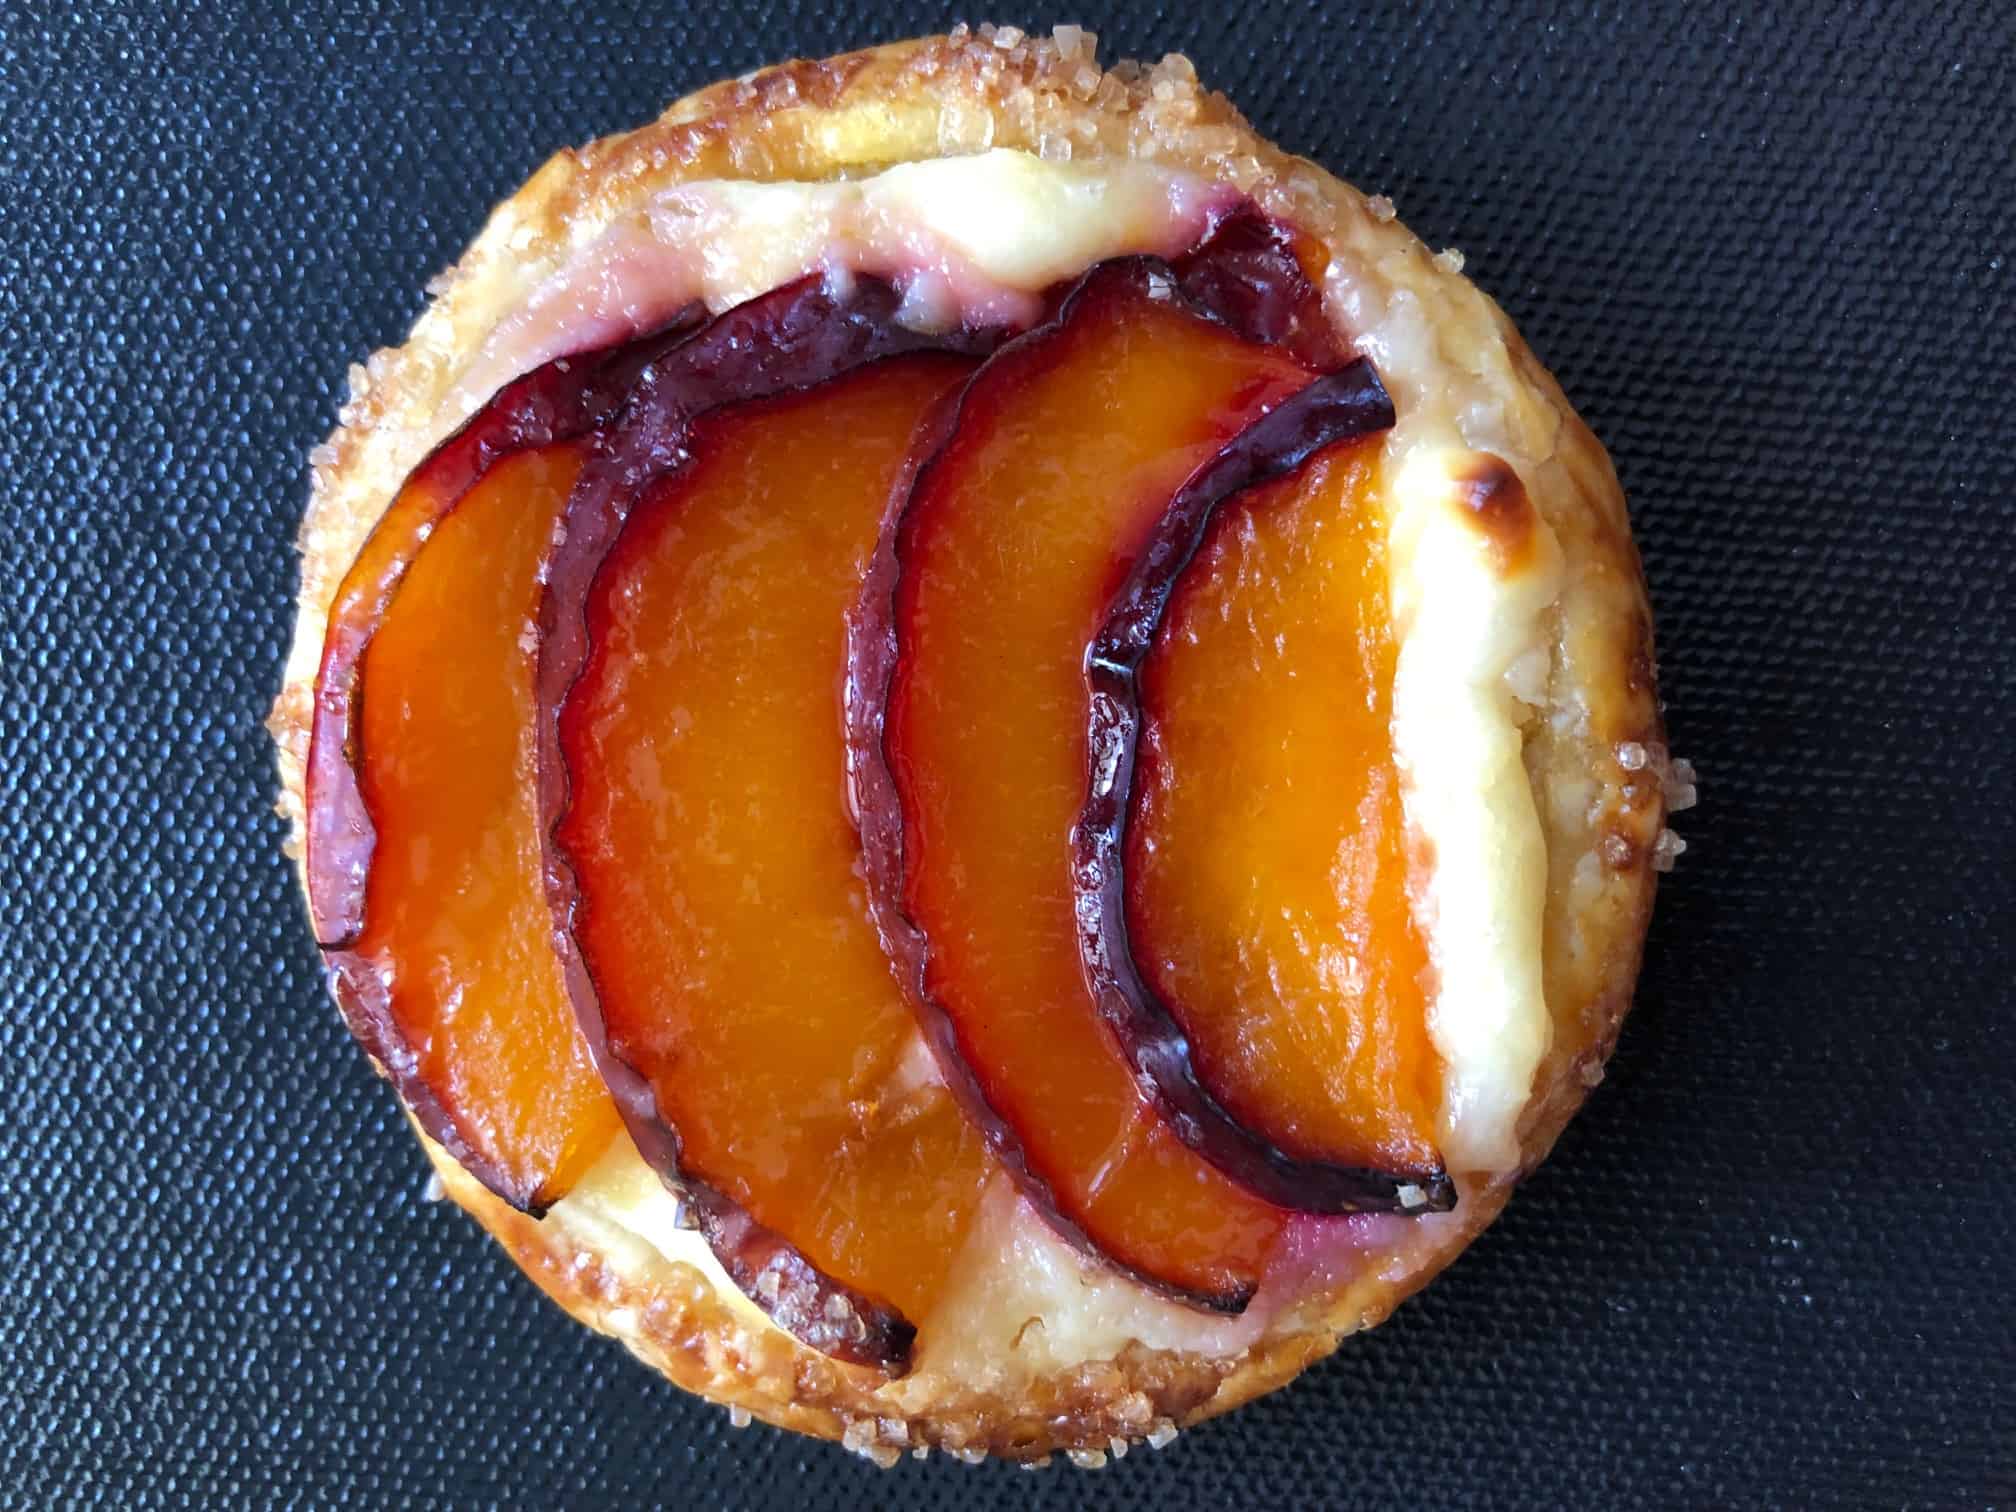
937	97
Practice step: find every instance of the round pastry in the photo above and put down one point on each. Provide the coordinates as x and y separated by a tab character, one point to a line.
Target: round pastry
981	755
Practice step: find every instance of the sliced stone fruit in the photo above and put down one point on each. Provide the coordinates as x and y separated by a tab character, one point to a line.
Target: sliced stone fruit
424	858
1243	858
798	337
968	720
566	399
720	914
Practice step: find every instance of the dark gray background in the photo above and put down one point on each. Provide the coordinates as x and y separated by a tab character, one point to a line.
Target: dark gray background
1769	256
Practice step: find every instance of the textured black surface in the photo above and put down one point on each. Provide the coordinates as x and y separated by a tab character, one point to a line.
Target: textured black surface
1768	254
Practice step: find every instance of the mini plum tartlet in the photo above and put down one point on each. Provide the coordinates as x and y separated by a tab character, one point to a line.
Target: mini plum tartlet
981	756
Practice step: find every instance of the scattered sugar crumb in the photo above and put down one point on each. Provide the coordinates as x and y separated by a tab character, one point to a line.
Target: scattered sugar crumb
1449	260
1682	791
1381	208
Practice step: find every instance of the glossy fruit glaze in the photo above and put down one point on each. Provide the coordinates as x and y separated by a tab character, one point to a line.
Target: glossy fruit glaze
455	916
1267	864
722	912
516	1109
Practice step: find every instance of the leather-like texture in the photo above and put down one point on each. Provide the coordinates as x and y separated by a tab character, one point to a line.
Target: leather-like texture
1770	257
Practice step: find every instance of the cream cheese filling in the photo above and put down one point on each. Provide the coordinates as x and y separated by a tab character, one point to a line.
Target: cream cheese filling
1468	626
969	240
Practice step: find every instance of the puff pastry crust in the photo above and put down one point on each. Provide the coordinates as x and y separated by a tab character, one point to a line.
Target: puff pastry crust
1595	755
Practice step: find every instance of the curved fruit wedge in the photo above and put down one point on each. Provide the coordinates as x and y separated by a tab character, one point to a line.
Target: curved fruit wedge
804	334
1248	813
454	954
721	914
565	399
424	857
968	721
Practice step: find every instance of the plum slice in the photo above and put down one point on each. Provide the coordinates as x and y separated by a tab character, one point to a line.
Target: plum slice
453	955
793	339
1242	855
559	402
968	725
721	915
423	860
